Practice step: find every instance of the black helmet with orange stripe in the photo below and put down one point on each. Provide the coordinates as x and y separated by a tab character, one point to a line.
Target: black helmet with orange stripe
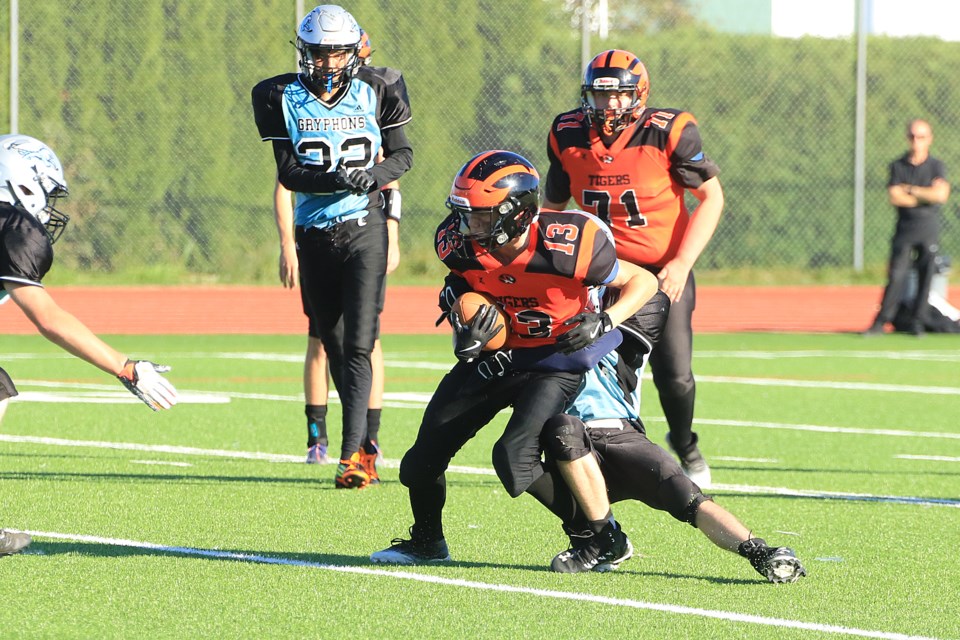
614	72
496	196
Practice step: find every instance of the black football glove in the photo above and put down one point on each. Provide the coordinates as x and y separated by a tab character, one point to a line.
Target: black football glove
448	298
469	339
357	181
591	326
496	365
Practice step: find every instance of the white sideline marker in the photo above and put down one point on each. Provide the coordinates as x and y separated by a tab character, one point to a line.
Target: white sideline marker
486	586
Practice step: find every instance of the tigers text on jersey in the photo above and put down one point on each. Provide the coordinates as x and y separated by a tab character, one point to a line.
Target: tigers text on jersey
322	135
548	283
25	250
636	185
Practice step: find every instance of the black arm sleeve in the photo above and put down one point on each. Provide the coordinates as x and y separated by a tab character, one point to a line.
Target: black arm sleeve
397	157
296	177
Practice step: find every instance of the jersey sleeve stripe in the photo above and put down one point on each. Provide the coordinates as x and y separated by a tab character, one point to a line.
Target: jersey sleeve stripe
585	256
395	124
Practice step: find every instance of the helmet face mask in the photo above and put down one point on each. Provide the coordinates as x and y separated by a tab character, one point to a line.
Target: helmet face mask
328	40
496	196
610	73
31	177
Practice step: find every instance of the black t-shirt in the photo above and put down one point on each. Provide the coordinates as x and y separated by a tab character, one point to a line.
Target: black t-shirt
25	250
920	175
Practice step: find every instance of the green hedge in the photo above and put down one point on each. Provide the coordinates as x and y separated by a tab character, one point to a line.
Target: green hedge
148	106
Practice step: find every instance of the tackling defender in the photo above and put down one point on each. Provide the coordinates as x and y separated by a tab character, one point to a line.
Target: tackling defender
31	182
604	420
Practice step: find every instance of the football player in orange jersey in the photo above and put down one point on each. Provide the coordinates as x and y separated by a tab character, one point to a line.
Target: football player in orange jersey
631	165
540	267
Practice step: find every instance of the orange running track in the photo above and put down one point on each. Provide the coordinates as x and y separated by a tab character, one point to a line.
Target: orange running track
411	310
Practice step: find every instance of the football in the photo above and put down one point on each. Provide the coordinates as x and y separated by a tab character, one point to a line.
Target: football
466	307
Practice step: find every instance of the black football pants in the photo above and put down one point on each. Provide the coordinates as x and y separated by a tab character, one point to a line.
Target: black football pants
671	364
342	280
462	405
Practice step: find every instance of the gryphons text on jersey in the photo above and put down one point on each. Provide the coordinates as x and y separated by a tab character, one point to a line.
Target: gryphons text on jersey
324	135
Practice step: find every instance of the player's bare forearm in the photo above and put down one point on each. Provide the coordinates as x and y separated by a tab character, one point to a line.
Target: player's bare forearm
936	193
283	215
64	330
703	222
393	245
637	285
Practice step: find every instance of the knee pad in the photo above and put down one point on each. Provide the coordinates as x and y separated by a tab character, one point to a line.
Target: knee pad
680	498
564	438
418	470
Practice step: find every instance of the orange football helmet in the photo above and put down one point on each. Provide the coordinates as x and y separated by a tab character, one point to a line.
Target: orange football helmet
615	70
497	196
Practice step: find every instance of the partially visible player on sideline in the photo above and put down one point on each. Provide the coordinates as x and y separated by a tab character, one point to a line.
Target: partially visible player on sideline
328	125
31	181
632	165
316	383
540	266
604	420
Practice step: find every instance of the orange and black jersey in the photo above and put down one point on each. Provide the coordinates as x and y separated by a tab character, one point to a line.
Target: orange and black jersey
637	184
548	283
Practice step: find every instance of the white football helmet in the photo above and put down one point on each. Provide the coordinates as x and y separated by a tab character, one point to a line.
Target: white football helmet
329	29
31	177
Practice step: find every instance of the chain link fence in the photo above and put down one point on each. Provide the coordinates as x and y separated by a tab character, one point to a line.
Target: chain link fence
148	106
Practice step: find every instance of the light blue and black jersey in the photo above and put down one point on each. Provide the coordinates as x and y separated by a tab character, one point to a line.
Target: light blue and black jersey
610	390
322	135
323	138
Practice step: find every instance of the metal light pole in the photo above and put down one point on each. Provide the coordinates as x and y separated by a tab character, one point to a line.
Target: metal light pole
860	128
14	66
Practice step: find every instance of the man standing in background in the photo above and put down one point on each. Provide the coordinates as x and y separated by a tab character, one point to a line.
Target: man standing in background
918	188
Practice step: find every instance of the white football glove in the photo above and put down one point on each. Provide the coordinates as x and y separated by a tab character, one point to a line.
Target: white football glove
142	378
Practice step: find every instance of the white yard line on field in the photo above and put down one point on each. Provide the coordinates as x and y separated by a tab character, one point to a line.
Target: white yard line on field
784	426
905	456
832	385
730	616
393	464
921	356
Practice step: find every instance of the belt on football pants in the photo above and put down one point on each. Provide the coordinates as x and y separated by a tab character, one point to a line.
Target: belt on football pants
326	225
607	423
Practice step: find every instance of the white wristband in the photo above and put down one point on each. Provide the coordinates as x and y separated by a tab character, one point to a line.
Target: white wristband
391	204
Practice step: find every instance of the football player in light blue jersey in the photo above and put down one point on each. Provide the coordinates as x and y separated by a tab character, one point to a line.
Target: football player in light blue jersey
604	420
316	379
328	125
